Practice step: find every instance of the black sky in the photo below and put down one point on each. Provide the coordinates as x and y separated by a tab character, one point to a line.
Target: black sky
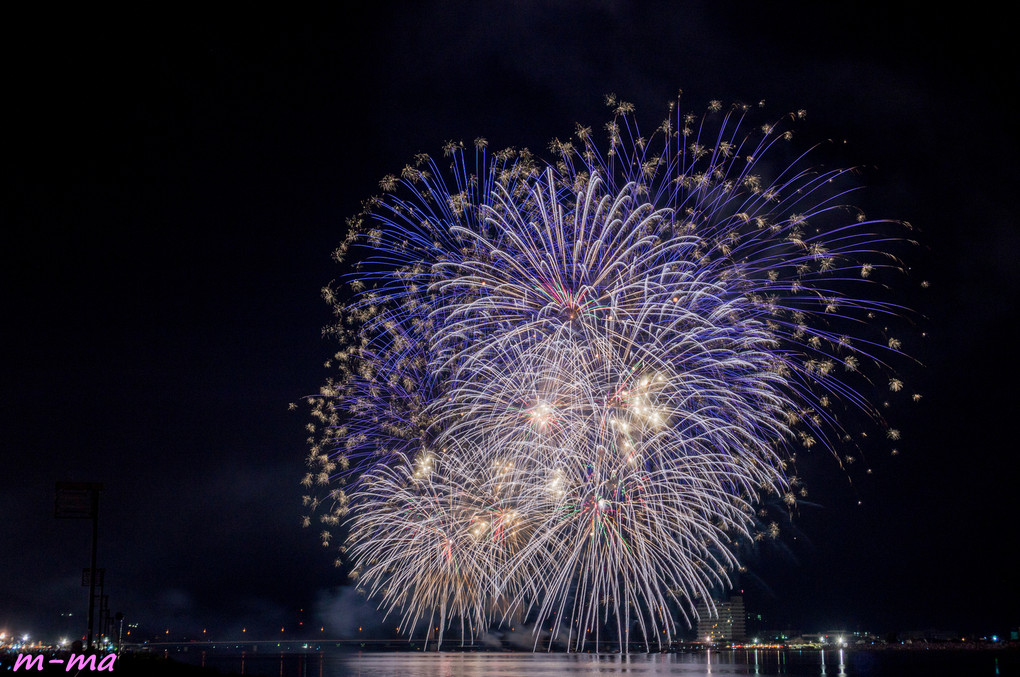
174	182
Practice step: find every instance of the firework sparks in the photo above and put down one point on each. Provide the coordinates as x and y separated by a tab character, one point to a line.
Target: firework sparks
564	387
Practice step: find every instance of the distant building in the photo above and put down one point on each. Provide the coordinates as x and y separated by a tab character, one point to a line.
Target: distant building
930	635
728	624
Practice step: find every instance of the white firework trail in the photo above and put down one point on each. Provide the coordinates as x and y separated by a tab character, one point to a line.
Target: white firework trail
564	387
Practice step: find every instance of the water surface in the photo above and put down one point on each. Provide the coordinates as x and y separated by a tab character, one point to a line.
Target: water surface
767	663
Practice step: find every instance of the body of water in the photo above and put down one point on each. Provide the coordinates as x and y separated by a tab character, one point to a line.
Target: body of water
767	663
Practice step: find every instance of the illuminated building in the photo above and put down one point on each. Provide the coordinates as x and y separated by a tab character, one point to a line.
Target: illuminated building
726	625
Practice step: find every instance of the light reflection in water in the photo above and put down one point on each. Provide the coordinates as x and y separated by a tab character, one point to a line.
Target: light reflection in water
329	662
557	665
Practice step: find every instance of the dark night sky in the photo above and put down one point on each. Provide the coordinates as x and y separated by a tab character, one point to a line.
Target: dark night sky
174	183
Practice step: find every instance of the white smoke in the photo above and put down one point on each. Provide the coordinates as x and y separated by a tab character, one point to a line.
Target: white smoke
346	614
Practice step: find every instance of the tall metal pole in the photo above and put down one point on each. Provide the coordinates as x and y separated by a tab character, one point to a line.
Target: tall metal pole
93	573
80	500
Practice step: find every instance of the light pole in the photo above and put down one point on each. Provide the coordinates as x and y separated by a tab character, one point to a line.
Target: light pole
80	500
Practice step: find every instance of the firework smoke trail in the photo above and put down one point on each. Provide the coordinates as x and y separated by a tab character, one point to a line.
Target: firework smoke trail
564	387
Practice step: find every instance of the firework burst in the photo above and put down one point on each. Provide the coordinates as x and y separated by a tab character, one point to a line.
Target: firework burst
565	386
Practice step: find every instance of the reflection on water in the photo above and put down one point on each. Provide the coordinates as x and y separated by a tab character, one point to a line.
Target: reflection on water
842	665
541	665
766	663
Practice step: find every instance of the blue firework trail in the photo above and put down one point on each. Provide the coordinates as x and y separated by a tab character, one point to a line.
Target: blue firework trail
564	387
